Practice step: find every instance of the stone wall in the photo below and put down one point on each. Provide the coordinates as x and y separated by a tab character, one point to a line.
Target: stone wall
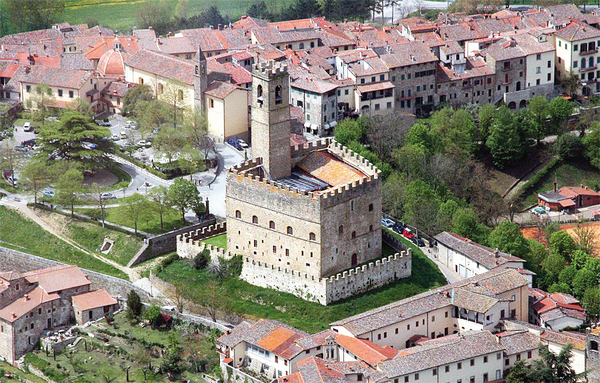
334	288
165	243
190	244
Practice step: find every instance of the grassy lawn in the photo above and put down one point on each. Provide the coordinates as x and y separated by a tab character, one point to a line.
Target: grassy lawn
171	219
18	375
566	174
19	233
96	361
121	14
256	302
91	237
218	240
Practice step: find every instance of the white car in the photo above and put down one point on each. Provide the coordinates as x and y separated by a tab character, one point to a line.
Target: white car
243	144
12	181
107	195
123	135
115	137
141	143
27	127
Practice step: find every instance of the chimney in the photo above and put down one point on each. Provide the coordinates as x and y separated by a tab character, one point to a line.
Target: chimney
220	27
555	186
497	253
26	296
13	315
243	17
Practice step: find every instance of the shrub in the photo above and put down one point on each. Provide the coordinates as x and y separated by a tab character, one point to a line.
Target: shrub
569	147
134	305
201	259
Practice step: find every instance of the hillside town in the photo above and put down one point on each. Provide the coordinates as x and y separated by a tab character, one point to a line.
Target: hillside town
305	200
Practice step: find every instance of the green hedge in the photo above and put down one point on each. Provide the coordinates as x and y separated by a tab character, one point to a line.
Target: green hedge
537	177
127	157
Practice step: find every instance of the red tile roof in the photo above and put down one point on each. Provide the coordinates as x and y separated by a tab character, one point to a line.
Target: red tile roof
93	299
365	350
58	278
163	65
574	191
23	305
327	168
220	89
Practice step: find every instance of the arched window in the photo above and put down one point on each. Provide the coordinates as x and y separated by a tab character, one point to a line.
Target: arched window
301	46
341	229
271	225
370	227
254	219
160	88
180	94
591	61
353	234
290	231
278	98
583	62
238	214
370	207
312	236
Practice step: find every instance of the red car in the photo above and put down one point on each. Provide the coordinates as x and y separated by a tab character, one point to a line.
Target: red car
408	233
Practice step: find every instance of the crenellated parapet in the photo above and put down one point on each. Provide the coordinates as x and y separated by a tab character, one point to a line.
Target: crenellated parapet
354	159
301	151
333	288
270	68
190	244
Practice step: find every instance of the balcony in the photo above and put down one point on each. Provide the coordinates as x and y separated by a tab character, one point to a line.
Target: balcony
588	52
507	68
588	69
376	95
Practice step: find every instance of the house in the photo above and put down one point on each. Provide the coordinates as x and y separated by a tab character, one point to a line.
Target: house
226	111
477	303
93	305
66	85
35	302
555	310
318	101
576	47
467	258
568	198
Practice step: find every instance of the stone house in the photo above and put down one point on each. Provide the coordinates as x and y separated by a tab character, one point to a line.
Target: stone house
555	310
35	302
318	100
93	305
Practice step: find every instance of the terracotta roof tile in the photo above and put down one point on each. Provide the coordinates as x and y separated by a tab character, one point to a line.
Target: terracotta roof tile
163	65
327	168
58	278
93	299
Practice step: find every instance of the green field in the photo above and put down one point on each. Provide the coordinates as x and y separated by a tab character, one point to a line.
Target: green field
121	14
218	240
256	302
571	173
19	233
151	224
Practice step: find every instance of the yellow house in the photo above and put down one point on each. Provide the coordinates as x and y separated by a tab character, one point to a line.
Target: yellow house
169	76
226	111
66	85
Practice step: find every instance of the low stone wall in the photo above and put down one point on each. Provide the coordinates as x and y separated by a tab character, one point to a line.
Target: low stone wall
190	244
235	375
331	289
166	243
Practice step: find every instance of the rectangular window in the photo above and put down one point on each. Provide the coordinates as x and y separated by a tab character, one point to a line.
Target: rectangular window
538	56
60	93
575	46
28	88
71	94
381	77
459	365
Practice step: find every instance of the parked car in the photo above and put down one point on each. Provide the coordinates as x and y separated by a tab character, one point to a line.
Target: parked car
48	193
408	233
27	127
243	144
21	148
88	145
418	241
115	137
103	123
28	142
123	135
235	143
9	178
398	227
387	222
107	195
142	143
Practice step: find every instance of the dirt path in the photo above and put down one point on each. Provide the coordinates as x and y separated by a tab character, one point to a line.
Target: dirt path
31	214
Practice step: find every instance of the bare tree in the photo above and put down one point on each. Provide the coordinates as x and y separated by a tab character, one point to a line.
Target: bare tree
585	239
9	157
96	192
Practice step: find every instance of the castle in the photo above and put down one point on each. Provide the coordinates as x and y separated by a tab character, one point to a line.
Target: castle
304	218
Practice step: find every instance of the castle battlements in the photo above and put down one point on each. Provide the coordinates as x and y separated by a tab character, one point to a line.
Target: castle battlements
270	68
354	158
311	146
203	233
369	267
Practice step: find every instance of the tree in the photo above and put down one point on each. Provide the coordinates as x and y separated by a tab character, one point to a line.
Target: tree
190	160
591	143
487	113
29	15
562	244
504	141
385	132
585	239
183	194
134	304
142	358
508	237
579	259
83	107
173	95
591	302
587	116
153	315
159	195
393	195
569	147
538	106
135	209
41	100
134	96
169	142
535	257
213	299
349	130
182	9
10	158
37	175
68	185
77	139
464	223
151	115
420	204
584	279
559	110
553	265
571	84
194	128
259	9
567	275
96	192
519	373
155	14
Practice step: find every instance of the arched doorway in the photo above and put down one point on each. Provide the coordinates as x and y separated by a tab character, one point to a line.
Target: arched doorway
354	259
518	86
522	104
512	105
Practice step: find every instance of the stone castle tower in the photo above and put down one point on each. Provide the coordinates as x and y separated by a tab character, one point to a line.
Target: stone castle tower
200	81
270	122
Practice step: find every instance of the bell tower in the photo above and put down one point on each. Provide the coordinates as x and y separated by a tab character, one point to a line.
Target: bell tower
200	81
271	126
